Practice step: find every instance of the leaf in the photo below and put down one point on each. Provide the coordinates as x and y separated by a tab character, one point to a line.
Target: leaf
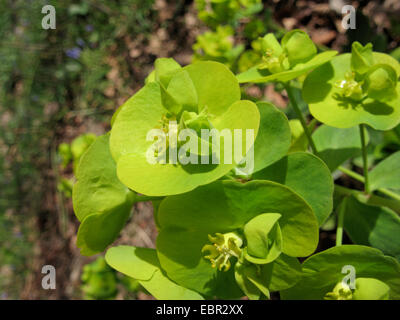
101	202
335	145
264	238
273	138
298	46
218	96
386	174
374	226
370	289
299	141
165	68
281	274
308	176
329	106
255	75
218	92
225	206
142	264
322	271
182	89
249	288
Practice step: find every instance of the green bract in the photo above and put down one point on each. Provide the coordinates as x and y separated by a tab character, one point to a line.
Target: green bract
261	224
203	95
101	202
336	145
294	56
356	88
308	176
217	46
142	264
273	138
322	275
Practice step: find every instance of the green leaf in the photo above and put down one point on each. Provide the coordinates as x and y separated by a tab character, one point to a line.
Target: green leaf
322	271
217	96
308	176
281	274
361	57
250	289
374	226
256	75
221	207
142	264
165	68
386	174
328	105
264	238
101	202
380	82
273	138
218	92
299	141
336	145
182	89
298	47
370	289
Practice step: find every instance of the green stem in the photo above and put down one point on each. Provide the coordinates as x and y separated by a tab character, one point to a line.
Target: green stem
389	193
360	178
365	158
352	174
339	230
300	117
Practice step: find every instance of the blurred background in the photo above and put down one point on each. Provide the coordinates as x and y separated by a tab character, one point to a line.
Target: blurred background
59	88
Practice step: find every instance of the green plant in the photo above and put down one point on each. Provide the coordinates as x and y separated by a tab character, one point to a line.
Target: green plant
216	12
72	153
217	46
227	231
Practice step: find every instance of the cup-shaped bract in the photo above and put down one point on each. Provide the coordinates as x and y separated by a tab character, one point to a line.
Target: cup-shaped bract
293	57
355	89
361	57
298	47
347	272
203	96
216	225
380	83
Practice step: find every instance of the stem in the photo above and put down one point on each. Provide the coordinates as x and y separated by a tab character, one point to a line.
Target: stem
360	178
339	230
365	159
352	174
389	193
300	117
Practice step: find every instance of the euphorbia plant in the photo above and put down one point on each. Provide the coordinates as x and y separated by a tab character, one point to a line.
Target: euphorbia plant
227	232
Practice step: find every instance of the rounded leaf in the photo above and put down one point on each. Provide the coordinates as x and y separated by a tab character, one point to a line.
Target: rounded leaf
328	105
